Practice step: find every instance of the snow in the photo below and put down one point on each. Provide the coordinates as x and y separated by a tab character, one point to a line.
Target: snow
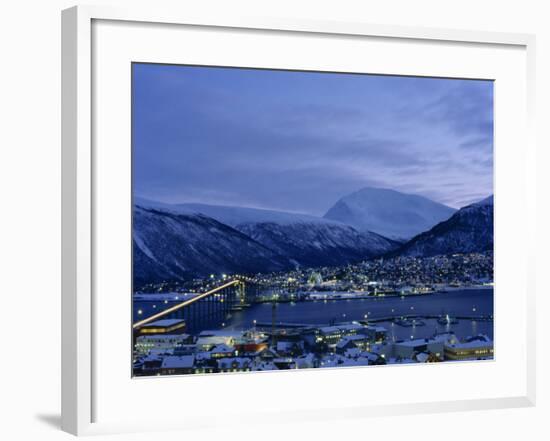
388	212
233	216
183	361
188	240
234	363
480	341
413	343
222	349
141	244
469	230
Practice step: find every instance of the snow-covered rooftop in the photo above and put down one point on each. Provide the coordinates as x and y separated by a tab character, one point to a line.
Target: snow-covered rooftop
480	341
183	361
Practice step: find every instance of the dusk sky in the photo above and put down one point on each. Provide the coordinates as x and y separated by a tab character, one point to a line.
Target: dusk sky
298	141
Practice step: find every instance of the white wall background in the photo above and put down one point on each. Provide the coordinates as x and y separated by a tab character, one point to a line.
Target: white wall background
30	214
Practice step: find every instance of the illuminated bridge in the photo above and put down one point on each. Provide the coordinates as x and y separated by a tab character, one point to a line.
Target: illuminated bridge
211	306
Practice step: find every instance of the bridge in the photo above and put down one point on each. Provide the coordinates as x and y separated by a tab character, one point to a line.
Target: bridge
209	306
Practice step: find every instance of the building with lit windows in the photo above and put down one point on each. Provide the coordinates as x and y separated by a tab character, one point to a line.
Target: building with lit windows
479	347
163	326
235	364
331	335
147	343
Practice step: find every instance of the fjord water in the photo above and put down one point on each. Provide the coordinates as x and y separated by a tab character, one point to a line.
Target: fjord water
466	303
469	302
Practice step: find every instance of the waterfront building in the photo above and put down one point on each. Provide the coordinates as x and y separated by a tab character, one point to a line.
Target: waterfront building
208	339
479	347
331	335
163	327
146	343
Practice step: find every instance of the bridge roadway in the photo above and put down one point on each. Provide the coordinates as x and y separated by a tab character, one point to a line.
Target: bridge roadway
213	304
187	303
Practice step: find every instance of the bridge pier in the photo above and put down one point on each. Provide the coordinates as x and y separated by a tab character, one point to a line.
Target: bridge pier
209	306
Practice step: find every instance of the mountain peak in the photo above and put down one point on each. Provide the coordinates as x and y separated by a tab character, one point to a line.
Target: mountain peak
388	212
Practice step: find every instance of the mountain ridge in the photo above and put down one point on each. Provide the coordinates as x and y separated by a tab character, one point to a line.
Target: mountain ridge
470	229
179	246
288	241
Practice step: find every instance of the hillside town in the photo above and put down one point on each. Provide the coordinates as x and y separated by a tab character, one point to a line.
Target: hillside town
166	347
382	276
262	348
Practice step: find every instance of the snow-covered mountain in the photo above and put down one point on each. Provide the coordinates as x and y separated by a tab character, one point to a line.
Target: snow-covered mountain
388	212
172	246
178	241
233	216
469	230
318	243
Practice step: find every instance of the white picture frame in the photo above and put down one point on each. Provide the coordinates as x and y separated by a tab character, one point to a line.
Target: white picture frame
80	201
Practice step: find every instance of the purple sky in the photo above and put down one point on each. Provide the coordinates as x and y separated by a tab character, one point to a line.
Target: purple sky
298	141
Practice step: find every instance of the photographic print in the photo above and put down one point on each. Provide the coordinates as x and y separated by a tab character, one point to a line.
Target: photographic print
296	220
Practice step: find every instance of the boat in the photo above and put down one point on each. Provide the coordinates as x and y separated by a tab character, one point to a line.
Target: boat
409	323
447	320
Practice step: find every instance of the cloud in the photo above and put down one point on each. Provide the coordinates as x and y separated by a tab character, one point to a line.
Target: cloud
300	141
